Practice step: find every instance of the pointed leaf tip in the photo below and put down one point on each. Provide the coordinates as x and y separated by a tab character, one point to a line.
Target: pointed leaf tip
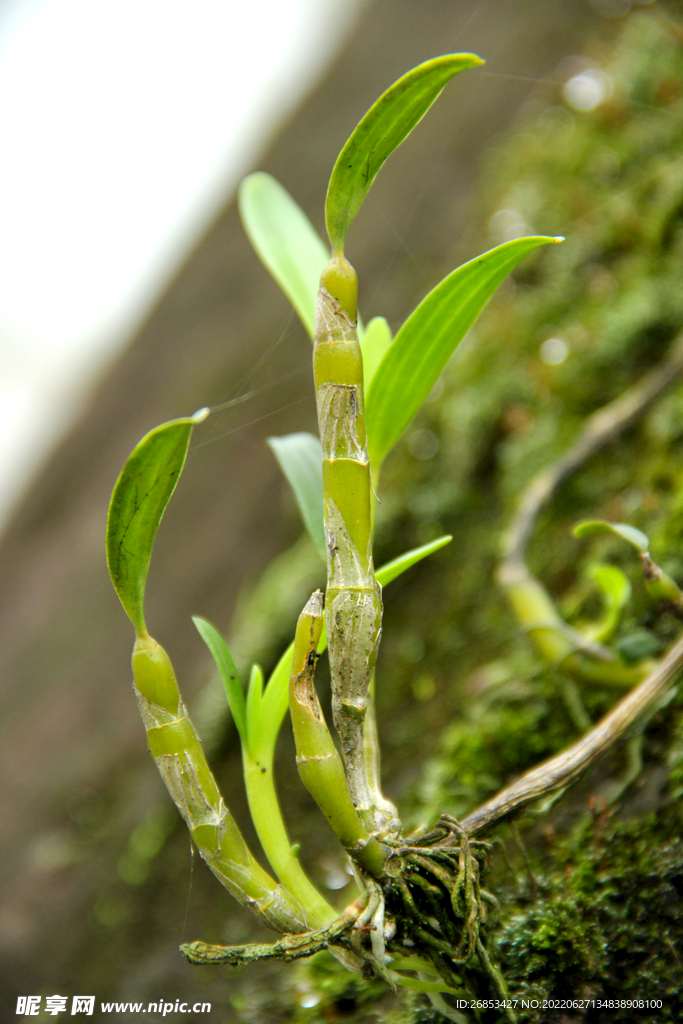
388	122
284	240
255	725
418	354
397	566
220	652
137	505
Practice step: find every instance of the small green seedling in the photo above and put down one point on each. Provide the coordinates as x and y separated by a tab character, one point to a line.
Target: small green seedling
422	918
630	534
659	585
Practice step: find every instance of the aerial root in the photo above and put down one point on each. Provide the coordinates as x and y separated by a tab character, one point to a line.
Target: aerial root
445	866
444	908
430	900
371	920
344	934
289	947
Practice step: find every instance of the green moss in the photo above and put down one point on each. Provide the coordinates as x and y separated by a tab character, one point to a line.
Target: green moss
608	925
509	727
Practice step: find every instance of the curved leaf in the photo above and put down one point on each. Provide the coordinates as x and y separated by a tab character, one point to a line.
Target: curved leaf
399	565
220	653
634	537
615	588
285	241
380	132
374	347
428	338
138	502
301	460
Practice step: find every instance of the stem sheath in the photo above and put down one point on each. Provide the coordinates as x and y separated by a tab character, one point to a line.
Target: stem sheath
353	602
175	746
318	760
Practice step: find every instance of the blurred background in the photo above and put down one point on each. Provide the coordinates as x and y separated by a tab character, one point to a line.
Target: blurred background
146	115
129	295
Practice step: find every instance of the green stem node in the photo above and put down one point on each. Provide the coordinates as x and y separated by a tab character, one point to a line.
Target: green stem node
175	746
353	603
318	761
153	674
341	281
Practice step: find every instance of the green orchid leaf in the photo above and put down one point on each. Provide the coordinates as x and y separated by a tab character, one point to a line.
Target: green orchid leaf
428	338
388	122
254	708
399	565
275	705
276	696
634	537
300	457
615	589
220	653
285	241
138	502
374	347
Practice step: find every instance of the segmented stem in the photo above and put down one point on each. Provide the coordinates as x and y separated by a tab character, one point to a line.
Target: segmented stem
385	811
291	947
353	602
318	760
174	745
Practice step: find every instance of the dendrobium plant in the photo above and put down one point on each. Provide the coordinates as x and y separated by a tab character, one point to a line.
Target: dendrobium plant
422	918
